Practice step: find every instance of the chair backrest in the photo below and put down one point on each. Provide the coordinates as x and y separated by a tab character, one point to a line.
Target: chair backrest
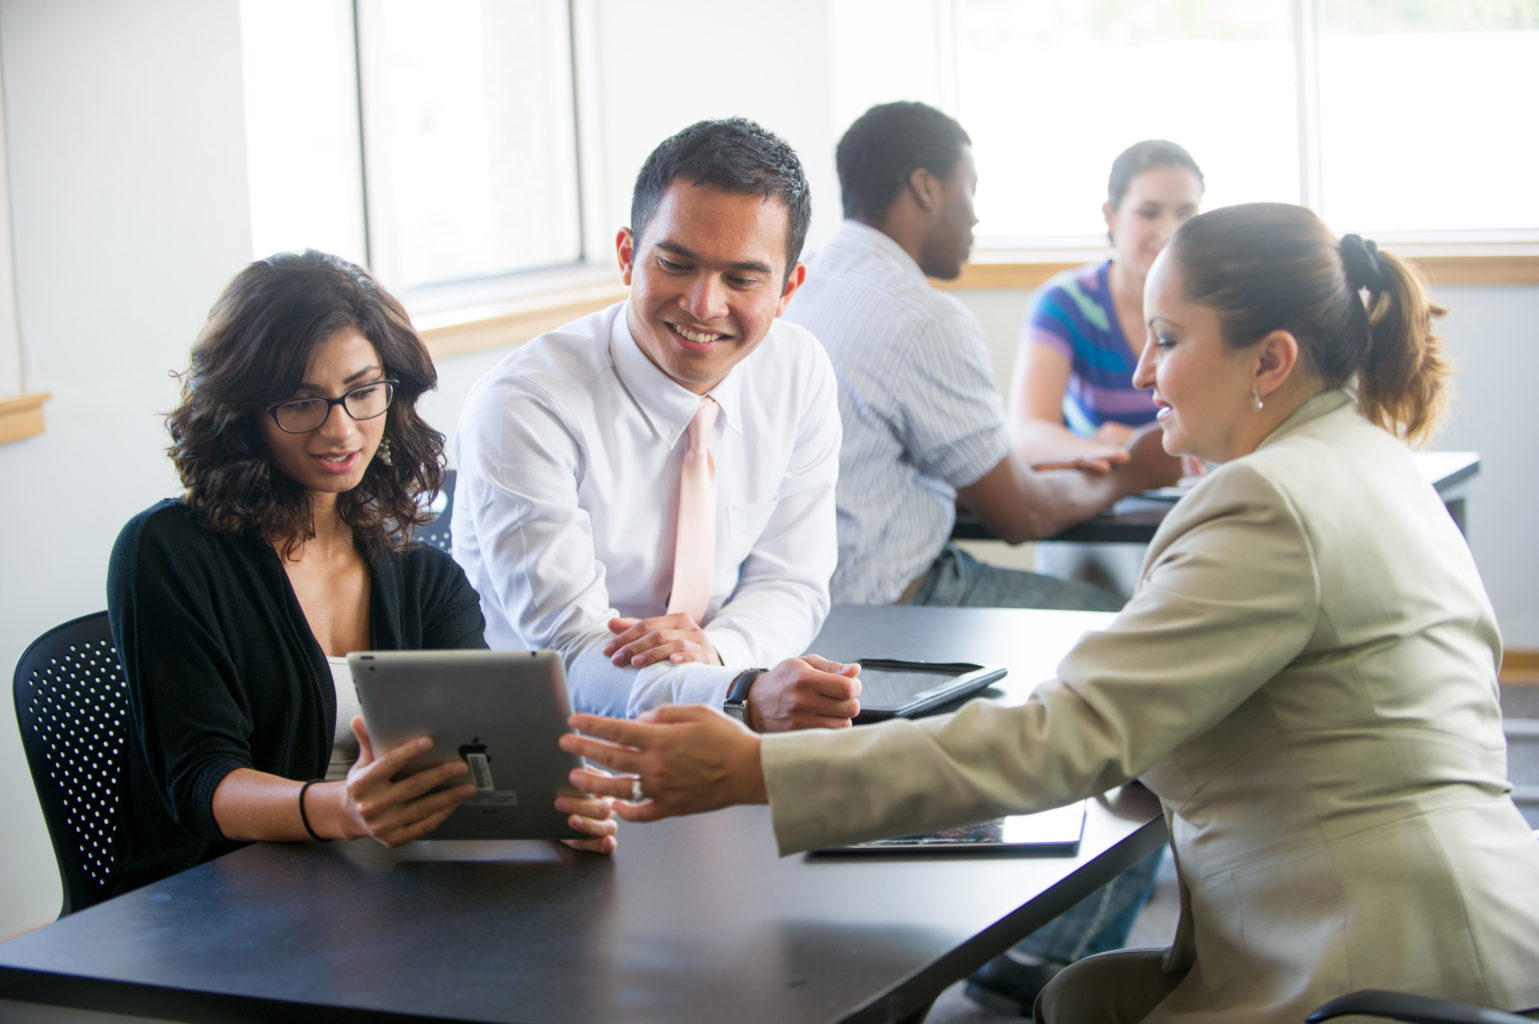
436	533
72	709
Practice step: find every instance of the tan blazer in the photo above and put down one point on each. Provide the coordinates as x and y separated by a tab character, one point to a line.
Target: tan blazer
1306	676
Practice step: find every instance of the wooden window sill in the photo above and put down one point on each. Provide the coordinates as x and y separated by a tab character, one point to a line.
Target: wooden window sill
22	416
1443	264
562	297
544	303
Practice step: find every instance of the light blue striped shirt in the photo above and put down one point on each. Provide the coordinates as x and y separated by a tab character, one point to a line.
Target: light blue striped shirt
921	412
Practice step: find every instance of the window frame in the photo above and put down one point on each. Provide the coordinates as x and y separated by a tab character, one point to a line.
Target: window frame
517	307
1474	257
21	412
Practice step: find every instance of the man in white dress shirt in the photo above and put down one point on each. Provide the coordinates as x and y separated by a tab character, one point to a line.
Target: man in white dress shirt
569	454
924	426
924	423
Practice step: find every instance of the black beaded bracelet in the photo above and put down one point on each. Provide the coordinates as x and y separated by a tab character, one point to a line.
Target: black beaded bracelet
304	819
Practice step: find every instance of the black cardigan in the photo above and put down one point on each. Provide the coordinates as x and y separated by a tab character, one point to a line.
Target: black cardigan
224	673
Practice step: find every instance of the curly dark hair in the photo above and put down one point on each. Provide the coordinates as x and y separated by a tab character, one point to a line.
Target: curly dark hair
253	351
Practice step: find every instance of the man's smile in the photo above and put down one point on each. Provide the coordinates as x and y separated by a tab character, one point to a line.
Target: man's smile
694	337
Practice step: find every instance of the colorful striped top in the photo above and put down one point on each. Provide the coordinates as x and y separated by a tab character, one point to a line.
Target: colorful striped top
1073	314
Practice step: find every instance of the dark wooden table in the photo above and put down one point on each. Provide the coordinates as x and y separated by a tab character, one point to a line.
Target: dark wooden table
1133	520
693	919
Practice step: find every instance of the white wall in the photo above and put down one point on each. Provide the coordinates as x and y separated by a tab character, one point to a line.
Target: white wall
127	167
1490	335
129	194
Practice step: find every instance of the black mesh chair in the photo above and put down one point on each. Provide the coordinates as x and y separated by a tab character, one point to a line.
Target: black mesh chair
72	709
436	533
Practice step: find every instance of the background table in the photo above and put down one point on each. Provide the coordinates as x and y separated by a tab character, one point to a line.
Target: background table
1133	520
693	919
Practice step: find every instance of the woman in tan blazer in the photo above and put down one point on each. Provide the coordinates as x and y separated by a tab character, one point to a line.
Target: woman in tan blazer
1306	675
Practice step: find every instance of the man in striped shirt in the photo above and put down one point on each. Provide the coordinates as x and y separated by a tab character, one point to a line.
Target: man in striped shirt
924	427
924	423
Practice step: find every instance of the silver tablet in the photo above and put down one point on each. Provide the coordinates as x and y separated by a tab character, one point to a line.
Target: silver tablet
499	711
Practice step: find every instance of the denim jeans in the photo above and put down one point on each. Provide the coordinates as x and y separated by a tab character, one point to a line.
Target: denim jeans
1099	922
1102	920
958	580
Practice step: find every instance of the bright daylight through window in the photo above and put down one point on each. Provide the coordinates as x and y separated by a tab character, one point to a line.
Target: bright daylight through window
470	152
438	142
1422	124
452	124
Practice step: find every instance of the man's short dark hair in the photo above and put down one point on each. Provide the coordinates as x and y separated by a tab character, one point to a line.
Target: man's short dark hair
888	143
734	155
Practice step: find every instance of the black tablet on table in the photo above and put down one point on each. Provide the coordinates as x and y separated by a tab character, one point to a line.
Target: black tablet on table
891	688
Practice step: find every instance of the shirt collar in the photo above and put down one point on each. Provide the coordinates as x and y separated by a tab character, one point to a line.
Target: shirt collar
666	404
866	240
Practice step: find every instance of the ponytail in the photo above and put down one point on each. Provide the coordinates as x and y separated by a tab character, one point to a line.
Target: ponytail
1402	382
1264	267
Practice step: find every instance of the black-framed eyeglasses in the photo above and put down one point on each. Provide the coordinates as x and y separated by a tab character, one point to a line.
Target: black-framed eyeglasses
302	415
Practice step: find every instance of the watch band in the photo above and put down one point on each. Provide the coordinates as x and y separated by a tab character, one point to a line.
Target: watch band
736	704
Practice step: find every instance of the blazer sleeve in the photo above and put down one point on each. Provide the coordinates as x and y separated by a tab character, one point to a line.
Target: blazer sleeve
1230	596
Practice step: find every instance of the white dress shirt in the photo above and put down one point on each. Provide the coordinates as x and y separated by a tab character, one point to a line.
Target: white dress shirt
569	454
922	414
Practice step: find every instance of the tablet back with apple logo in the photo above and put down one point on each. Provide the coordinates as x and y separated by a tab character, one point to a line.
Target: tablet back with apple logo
501	712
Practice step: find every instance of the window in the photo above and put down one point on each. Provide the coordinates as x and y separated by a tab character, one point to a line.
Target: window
10	335
1391	117
1052	92
21	415
436	143
470	142
1425	116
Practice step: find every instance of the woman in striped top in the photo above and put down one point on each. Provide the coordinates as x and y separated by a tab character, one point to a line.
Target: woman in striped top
1072	392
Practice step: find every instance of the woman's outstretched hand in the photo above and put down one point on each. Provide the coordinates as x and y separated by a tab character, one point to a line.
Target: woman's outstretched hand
594	815
686	759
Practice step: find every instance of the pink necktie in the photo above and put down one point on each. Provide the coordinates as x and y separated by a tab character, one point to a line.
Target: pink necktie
694	553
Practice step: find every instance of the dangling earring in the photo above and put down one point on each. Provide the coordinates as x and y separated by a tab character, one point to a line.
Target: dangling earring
384	451
1255	401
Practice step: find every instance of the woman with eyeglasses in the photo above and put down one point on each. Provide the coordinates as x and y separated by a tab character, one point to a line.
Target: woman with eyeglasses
233	607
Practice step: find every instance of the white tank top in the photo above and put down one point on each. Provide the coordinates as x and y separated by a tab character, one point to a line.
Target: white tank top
344	745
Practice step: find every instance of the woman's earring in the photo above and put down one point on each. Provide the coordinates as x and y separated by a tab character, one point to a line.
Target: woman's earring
1255	400
384	449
